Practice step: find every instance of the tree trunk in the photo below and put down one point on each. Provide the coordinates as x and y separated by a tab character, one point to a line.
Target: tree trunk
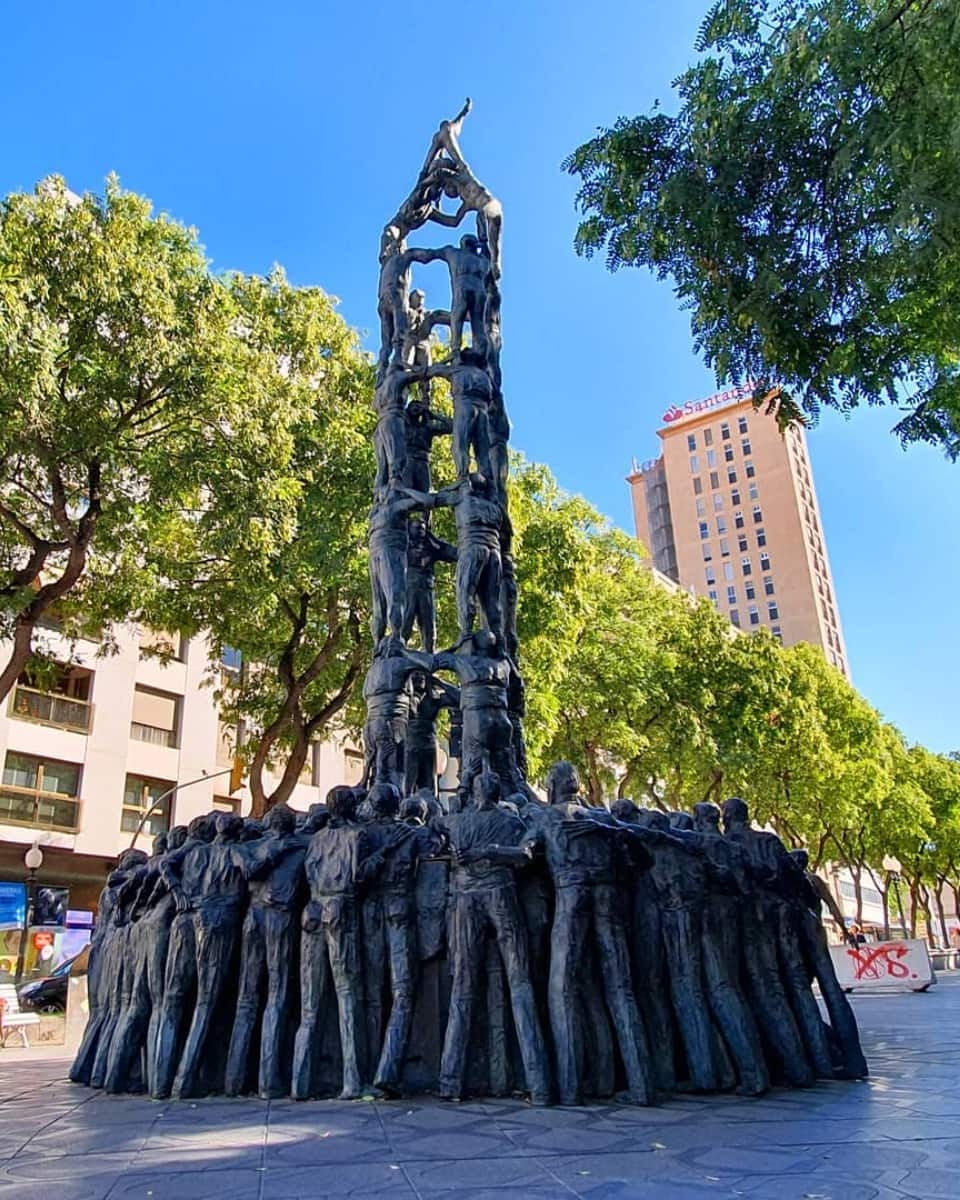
858	892
941	913
594	783
914	905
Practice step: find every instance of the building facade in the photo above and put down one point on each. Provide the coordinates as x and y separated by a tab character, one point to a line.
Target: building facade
729	511
86	755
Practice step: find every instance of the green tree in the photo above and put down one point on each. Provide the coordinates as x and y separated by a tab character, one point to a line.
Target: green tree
803	201
270	560
114	363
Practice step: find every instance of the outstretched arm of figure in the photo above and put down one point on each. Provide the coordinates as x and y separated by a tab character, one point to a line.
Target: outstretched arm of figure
437	425
442	551
502	856
418	255
445	498
451	694
436	316
451	220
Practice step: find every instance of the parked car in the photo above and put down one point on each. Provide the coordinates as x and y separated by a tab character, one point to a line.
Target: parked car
49	995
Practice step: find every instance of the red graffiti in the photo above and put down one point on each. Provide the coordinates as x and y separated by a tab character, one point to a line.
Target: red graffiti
877	962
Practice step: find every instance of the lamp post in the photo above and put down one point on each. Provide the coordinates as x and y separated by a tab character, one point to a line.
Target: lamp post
33	861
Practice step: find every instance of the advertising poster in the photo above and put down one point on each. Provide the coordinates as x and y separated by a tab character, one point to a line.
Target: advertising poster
13	905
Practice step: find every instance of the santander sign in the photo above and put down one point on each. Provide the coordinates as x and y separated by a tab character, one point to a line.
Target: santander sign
693	408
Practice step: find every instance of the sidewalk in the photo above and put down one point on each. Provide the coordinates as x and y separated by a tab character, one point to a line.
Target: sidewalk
896	1136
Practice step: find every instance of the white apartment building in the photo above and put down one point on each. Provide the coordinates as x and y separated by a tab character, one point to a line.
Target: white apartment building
83	762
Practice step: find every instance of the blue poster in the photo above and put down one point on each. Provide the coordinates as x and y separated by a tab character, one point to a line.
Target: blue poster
13	905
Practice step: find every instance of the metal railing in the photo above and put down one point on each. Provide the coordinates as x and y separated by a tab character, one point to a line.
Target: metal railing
153	734
50	708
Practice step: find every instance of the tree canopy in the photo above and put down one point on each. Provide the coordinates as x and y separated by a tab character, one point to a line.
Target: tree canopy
803	201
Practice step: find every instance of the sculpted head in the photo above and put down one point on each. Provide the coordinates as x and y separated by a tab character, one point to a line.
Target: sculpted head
706	818
316	816
486	790
129	860
801	858
252	829
201	828
341	803
176	837
229	827
655	819
413	811
484	642
161	843
469	242
736	815
624	810
391	242
417	297
384	799
563	783
281	820
681	820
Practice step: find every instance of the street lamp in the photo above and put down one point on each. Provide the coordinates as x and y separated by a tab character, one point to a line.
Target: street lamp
33	861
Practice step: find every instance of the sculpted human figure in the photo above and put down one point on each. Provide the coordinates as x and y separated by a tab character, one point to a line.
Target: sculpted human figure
388	561
460	182
389	934
336	863
470	277
767	991
722	940
472	394
417	345
580	853
447	140
485	844
813	939
152	914
499	428
424	551
422	426
479	517
428	698
387	699
207	880
180	973
392	295
104	980
273	868
389	438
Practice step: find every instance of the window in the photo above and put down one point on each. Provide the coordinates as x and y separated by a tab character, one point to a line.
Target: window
728	571
768	587
694	464
757	514
725	431
742	424
738	520
754	492
731	475
731	595
724	548
701	507
156	717
741	541
164	645
230	659
708	437
776	631
728	453
707	556
711	458
735	497
714	480
139	796
717	501
62	701
773	612
697	486
227	804
745	445
764	562
749	468
691	441
40	792
704	531
754	615
761	538
711	575
721	525
734	617
751	589
745	564
713	595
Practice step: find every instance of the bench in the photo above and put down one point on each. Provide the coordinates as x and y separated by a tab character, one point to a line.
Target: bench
11	1018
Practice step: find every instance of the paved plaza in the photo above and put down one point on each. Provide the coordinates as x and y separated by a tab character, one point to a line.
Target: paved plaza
892	1137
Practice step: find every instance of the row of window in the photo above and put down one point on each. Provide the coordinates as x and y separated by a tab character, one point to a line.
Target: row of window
707	434
753	612
711	459
155	717
745	563
750	586
738	521
753	489
748	469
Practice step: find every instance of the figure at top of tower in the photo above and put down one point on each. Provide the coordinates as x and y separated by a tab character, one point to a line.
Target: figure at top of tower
447	138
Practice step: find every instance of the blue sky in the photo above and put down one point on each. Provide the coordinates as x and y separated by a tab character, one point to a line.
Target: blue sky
290	132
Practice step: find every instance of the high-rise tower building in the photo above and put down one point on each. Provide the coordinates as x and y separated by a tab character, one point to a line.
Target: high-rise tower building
729	510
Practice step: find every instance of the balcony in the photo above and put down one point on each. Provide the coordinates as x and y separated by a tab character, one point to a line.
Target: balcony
50	708
39	810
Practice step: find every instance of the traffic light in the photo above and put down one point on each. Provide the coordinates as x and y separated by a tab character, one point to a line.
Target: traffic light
236	775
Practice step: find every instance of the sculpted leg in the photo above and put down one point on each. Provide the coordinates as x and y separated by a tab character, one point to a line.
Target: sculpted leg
615	965
342	932
842	1020
567	946
313	979
179	979
681	935
280	945
797	985
504	914
467	943
400	939
252	964
727	1002
215	945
